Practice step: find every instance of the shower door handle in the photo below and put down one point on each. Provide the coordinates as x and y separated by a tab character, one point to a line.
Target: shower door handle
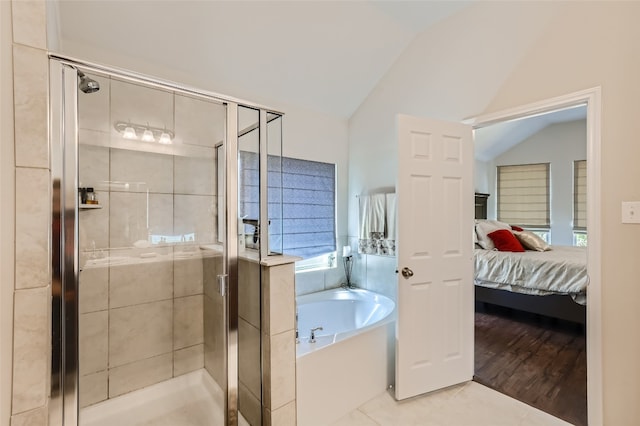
222	284
407	272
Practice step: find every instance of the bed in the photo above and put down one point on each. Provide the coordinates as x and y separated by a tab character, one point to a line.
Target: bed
551	282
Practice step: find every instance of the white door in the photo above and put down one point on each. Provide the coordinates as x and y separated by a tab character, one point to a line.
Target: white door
434	331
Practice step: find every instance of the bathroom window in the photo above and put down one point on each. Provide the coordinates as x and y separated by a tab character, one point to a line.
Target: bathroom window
308	212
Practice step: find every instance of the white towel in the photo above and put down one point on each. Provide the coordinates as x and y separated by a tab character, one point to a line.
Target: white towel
372	214
391	217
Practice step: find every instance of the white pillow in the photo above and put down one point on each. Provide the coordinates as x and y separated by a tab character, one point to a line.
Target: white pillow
484	228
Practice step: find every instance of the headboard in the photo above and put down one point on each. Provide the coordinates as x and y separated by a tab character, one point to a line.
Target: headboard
481	205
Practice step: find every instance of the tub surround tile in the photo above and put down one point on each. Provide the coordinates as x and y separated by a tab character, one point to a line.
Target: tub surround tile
93	388
154	170
194	175
188	359
279	299
94	290
31	348
309	282
140	283
33	218
280	374
36	417
381	275
139	332
93	342
188	277
30	96
30	23
187	321
139	374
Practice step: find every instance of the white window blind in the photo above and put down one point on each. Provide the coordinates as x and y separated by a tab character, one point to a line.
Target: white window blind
580	195
308	202
523	195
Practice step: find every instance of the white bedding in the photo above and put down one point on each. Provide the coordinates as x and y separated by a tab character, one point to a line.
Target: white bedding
562	270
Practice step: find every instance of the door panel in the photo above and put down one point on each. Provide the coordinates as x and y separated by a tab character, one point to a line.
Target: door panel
435	214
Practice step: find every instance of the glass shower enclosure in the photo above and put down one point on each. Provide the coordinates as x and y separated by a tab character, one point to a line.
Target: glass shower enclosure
158	233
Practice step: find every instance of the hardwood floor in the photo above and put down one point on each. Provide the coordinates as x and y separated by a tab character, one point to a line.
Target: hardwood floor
537	360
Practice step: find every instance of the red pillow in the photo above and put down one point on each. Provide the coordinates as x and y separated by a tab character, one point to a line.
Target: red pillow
504	240
516	228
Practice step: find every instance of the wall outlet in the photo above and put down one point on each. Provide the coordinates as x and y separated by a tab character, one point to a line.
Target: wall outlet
631	212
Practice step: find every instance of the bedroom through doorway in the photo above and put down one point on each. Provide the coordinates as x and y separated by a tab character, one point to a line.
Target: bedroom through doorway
530	258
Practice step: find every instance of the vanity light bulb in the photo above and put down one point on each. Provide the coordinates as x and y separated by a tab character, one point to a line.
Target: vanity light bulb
129	133
165	138
147	136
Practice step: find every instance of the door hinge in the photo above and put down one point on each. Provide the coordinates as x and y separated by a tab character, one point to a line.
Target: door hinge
222	284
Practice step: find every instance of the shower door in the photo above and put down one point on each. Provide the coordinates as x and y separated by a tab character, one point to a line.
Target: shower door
144	180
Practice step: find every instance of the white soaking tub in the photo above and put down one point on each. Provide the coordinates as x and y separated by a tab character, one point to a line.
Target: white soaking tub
352	359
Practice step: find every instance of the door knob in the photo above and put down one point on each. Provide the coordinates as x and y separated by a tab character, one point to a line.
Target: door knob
406	272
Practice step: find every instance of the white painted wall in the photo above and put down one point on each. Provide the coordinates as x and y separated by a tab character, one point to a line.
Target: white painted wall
560	145
495	56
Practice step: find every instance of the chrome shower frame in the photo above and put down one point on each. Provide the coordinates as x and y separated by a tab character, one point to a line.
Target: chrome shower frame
63	84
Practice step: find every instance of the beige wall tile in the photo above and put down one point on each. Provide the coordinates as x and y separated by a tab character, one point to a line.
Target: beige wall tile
194	176
249	406
187	321
37	417
199	122
141	105
279	293
93	388
31	348
94	289
139	374
147	281
214	350
280	375
30	107
93	342
249	292
187	277
139	332
249	368
155	170
128	217
93	165
94	226
30	23
195	214
188	359
284	416
33	218
93	108
211	268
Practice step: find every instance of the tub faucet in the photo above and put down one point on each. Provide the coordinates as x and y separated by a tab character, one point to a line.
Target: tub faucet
312	337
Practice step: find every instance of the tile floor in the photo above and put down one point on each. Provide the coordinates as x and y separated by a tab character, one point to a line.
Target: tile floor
469	404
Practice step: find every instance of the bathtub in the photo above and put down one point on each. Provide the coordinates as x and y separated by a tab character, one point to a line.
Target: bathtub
352	359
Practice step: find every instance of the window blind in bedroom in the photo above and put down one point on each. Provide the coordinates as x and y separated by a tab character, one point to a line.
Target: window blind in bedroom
580	195
523	195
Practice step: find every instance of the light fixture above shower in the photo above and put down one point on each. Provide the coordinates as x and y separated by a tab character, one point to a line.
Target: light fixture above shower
144	133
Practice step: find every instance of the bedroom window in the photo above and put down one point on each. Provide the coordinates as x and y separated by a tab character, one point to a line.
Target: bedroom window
580	203
523	196
308	207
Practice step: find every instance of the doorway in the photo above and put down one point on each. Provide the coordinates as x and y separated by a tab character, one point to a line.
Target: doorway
570	104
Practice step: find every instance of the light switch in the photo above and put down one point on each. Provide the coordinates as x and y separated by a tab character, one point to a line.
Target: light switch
631	212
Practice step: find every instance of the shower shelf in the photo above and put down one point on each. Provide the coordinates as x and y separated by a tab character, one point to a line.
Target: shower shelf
90	206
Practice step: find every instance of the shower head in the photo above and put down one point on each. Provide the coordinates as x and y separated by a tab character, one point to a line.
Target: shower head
87	85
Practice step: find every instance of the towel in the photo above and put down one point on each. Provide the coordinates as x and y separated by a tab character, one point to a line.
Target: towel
391	216
372	214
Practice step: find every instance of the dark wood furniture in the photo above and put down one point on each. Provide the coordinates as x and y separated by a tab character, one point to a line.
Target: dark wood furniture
554	306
